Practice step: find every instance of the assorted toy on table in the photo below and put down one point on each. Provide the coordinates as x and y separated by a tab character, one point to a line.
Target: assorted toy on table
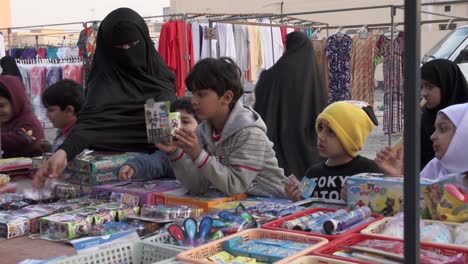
447	200
384	195
192	233
359	248
329	223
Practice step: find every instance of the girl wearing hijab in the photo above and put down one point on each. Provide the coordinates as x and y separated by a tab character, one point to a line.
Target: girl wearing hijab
20	128
443	85
9	67
289	97
449	143
126	72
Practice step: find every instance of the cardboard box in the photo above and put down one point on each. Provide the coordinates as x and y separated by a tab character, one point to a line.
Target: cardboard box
33	217
118	210
384	195
94	215
133	193
181	197
447	199
99	162
13	226
64	226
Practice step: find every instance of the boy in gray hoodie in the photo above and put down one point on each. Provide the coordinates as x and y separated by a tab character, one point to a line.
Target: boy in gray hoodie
229	150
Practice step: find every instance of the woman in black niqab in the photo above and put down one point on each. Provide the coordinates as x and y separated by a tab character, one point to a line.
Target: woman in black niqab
289	97
447	76
126	72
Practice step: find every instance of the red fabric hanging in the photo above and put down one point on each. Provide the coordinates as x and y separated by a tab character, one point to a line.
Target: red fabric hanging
173	49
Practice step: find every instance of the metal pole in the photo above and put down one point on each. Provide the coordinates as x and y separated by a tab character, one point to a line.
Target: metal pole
9	39
272	45
412	129
392	77
210	25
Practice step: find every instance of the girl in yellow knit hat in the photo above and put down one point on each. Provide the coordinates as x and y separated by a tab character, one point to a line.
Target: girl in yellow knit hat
342	129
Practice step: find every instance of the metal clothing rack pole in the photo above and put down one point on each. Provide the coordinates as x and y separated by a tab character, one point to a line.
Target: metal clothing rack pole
392	75
412	130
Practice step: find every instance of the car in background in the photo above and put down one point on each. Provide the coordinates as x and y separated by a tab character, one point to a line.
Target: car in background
453	47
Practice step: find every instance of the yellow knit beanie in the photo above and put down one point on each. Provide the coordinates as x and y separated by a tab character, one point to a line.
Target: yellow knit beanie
350	122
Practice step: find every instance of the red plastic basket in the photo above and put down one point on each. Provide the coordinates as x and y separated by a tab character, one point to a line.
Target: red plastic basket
352	239
276	225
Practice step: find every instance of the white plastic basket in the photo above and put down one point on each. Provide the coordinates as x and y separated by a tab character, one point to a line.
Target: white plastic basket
166	240
317	260
170	261
130	253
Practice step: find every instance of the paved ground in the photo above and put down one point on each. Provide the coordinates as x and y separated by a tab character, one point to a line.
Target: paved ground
376	140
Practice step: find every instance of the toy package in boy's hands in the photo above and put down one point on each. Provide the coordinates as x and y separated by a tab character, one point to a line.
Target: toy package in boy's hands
447	199
306	186
160	123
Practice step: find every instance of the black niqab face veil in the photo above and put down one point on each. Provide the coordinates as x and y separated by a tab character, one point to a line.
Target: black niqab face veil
126	71
132	58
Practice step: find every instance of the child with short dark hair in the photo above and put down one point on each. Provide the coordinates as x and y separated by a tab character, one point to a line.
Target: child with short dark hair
230	150
63	100
156	165
342	129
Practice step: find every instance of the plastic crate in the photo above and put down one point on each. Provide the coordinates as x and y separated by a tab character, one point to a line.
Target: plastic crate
276	225
376	228
137	252
165	239
199	254
316	260
352	239
170	261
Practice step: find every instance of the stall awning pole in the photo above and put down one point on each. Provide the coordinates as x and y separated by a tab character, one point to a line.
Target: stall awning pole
412	130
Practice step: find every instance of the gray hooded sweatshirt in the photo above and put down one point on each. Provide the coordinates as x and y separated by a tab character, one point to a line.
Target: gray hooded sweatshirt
241	161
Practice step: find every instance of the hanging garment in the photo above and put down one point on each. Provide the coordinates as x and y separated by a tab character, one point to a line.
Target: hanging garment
284	33
112	117
226	43
267	45
52	53
289	97
196	41
41	53
393	81
256	53
241	39
38	80
29	54
54	74
73	72
322	62
175	51
209	49
338	51
2	46
363	68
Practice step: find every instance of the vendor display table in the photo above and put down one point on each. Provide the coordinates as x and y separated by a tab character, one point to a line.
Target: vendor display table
15	250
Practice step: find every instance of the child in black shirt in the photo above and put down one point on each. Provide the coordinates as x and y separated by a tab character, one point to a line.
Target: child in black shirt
342	129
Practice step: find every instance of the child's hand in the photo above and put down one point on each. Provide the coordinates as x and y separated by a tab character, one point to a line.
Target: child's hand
126	173
188	142
42	145
51	169
292	191
166	147
391	163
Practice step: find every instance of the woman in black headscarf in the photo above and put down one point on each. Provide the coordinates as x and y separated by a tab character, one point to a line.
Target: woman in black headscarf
9	67
126	72
289	97
443	85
